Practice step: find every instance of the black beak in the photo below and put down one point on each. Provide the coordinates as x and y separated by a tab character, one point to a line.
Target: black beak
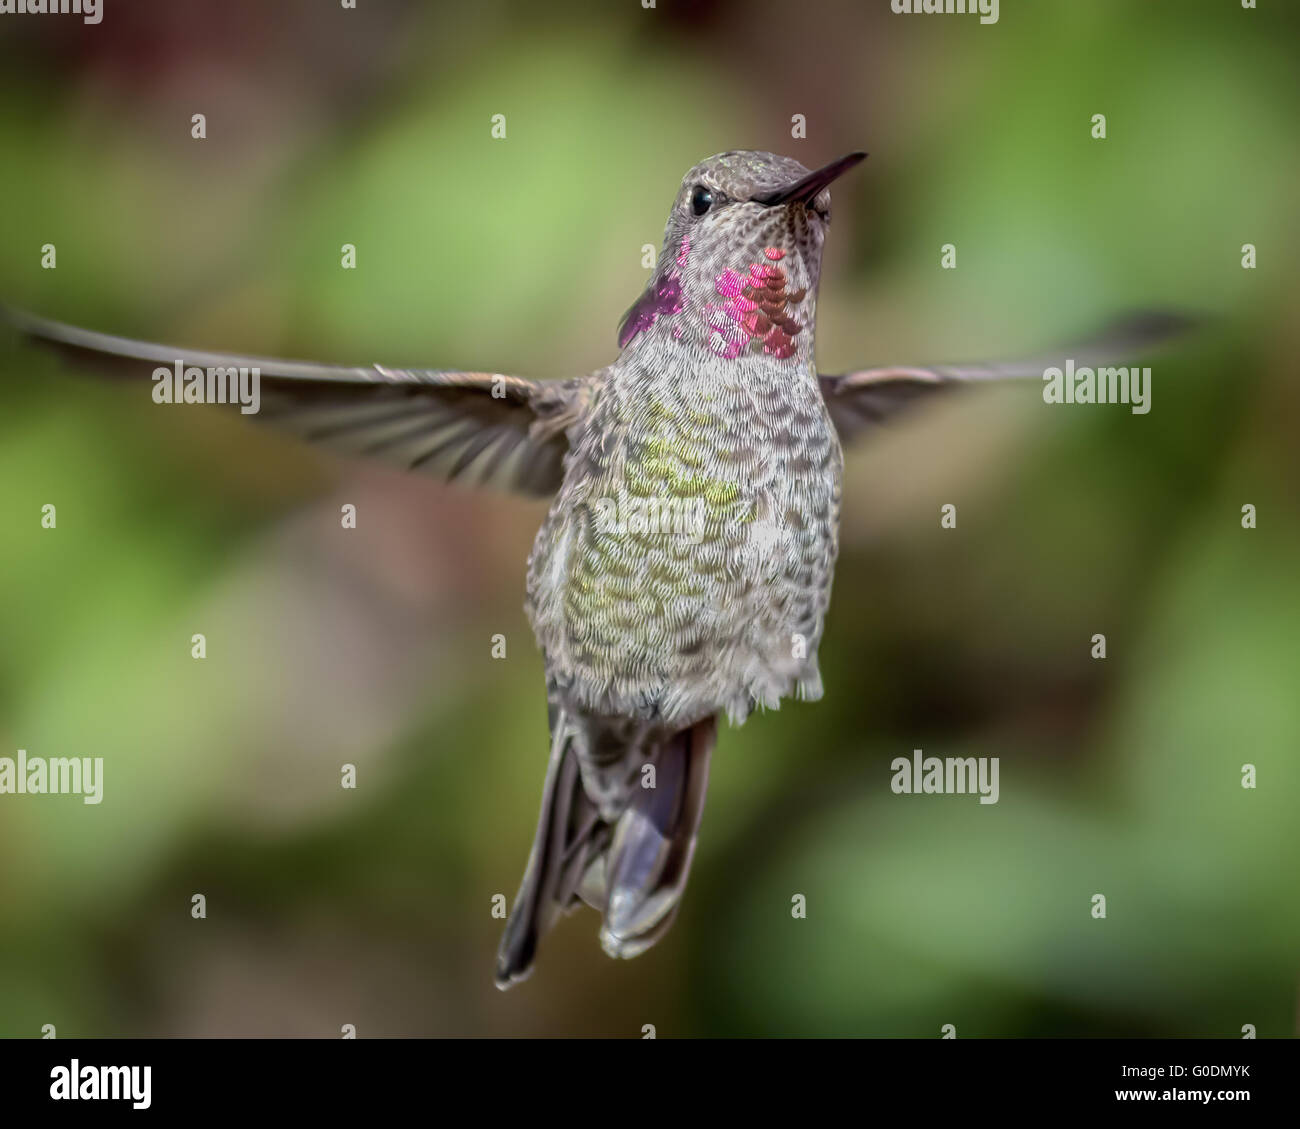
806	189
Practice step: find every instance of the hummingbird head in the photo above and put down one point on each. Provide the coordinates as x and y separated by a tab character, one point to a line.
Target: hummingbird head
741	258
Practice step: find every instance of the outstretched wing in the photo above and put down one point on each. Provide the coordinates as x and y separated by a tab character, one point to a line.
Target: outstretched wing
477	426
860	400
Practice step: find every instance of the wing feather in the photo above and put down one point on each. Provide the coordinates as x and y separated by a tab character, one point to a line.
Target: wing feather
869	397
449	424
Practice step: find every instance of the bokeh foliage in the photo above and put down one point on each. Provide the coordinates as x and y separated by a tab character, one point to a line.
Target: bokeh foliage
372	127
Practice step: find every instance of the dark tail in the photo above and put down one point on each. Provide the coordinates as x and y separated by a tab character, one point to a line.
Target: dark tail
633	868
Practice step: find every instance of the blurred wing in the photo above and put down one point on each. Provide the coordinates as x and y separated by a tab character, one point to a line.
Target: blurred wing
863	399
476	426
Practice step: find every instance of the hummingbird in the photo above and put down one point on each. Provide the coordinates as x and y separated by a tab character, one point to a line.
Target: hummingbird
683	571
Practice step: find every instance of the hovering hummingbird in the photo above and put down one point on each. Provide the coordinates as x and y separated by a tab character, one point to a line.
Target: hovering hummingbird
684	569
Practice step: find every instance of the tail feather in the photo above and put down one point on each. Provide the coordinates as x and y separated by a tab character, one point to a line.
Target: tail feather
556	855
654	843
632	866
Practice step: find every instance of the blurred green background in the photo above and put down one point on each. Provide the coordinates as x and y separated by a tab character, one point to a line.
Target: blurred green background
373	907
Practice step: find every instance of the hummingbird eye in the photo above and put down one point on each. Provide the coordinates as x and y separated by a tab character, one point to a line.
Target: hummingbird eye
701	200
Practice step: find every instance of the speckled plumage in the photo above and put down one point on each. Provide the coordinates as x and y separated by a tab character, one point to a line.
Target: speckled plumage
676	621
685	566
